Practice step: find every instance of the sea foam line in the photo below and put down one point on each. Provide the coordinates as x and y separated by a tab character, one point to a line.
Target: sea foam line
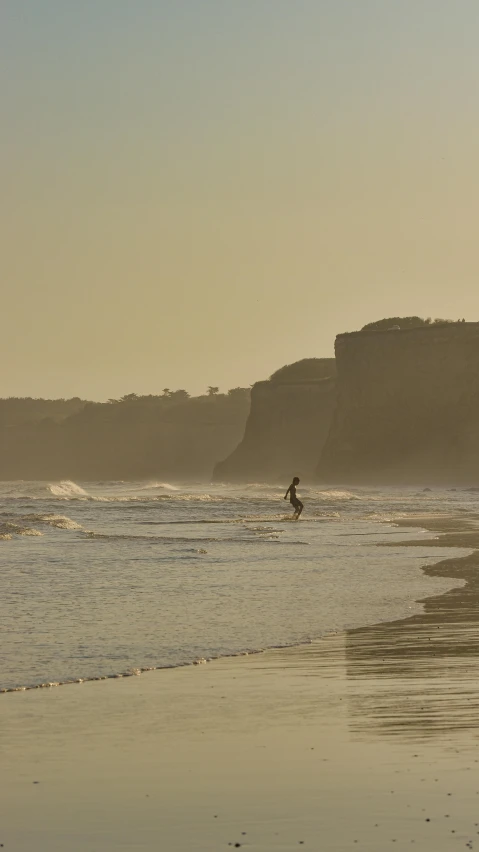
163	667
163	539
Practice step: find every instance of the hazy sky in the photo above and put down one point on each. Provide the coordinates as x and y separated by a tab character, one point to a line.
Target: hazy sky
197	192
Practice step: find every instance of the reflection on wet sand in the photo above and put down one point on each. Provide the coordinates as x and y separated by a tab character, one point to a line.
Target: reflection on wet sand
419	677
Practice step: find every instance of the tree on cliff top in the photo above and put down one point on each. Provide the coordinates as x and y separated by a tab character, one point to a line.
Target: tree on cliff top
404	322
306	370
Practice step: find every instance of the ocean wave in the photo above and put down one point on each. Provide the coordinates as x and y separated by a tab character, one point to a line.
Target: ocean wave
332	495
67	489
391	516
61	522
263	530
64	490
154	485
157	491
157	498
115	492
9	529
166	539
130	497
151	498
244	519
264	486
325	516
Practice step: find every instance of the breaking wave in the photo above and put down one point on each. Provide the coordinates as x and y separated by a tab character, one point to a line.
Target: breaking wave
67	489
8	529
158	491
163	485
114	492
334	496
21	524
61	522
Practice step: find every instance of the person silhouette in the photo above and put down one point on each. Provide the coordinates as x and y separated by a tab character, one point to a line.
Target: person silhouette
293	499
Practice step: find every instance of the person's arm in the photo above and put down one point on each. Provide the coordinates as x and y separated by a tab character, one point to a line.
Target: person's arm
286	495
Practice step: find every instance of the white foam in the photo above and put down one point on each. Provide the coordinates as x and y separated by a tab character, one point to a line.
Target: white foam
164	485
154	498
334	495
61	522
67	490
18	530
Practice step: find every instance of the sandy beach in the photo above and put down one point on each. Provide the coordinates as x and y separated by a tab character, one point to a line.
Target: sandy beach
365	739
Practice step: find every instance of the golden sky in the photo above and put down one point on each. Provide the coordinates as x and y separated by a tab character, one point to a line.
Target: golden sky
197	193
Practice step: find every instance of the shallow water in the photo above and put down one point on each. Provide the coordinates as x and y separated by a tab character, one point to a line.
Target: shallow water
99	579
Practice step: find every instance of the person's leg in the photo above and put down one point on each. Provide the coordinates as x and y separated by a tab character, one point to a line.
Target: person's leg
299	508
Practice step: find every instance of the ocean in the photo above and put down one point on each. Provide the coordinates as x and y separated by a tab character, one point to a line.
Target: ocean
109	579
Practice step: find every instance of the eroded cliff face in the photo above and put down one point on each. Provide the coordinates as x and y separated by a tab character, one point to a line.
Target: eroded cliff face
289	420
408	407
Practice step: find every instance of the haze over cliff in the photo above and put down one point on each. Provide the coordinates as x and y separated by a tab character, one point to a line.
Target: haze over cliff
172	436
288	422
408	406
398	404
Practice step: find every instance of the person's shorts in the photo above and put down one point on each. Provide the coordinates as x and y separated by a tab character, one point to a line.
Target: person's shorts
296	503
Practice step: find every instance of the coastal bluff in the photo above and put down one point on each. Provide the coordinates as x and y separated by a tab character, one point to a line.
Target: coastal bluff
289	420
407	407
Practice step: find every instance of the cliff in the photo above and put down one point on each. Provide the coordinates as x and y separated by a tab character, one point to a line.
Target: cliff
289	419
408	406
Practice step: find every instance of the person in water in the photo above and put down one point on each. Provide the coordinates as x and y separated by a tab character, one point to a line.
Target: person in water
298	506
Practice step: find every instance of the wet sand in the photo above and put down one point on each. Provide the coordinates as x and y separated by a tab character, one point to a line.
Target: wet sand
366	739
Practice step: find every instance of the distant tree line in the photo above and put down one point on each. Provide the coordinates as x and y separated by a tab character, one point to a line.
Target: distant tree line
171	434
15	410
